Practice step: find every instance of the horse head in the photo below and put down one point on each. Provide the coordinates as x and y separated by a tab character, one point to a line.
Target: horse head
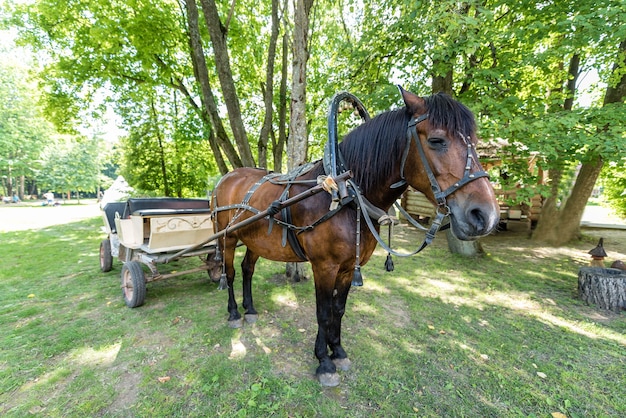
440	161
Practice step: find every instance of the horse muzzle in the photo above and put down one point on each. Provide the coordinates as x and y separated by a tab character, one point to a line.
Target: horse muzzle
474	220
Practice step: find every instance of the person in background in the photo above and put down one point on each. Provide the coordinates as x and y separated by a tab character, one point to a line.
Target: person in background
49	198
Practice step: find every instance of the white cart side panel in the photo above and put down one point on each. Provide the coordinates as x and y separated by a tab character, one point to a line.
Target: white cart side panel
130	231
175	232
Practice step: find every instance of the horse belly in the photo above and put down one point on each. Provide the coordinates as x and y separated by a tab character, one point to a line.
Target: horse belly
269	245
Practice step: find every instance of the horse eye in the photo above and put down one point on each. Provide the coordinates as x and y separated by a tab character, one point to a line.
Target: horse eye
437	143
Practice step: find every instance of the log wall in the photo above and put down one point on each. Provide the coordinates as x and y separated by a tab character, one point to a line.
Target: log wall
417	205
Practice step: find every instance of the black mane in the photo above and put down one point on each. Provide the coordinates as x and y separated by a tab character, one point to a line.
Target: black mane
373	149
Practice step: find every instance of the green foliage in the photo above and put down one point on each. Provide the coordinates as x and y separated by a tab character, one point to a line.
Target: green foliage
613	182
70	165
162	159
23	130
507	60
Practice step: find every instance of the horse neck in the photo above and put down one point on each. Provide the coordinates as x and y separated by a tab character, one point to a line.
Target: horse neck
385	196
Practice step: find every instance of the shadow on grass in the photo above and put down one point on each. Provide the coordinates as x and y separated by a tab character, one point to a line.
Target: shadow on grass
442	335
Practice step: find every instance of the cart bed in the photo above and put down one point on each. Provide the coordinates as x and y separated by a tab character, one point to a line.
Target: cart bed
157	225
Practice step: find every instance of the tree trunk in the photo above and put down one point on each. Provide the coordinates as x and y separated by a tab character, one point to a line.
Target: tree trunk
166	187
561	225
279	145
20	193
9	183
268	91
548	228
442	83
570	89
466	248
605	288
615	94
218	138
218	32
297	141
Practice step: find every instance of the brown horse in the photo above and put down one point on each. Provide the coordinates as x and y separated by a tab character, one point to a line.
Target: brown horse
429	140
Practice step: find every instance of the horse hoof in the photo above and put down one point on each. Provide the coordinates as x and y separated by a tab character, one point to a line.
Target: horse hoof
235	323
251	318
342	364
329	379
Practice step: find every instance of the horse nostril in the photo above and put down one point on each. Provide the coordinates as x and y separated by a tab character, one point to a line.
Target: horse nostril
477	218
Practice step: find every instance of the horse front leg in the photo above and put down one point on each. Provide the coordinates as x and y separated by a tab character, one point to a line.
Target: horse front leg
247	270
340	296
324	288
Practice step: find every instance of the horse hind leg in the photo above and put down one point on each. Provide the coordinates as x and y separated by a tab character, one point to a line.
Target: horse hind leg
247	271
234	317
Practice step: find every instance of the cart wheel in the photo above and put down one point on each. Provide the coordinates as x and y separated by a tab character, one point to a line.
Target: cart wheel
133	284
106	259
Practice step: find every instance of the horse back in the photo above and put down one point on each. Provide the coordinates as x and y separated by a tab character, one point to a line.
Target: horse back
334	238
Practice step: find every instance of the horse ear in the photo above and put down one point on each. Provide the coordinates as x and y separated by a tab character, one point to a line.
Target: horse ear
413	102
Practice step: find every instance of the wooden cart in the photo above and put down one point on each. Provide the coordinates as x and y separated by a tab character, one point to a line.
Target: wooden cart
159	230
149	232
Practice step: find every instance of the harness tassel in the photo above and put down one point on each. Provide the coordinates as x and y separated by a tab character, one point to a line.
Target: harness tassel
389	262
218	254
357	278
223	282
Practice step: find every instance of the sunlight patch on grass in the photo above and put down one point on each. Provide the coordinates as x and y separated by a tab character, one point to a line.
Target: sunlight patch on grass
261	344
286	298
376	287
411	348
472	353
441	285
517	301
51	378
87	356
550	319
238	349
520	302
364	308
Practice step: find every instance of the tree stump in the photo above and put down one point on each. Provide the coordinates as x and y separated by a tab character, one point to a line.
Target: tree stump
604	287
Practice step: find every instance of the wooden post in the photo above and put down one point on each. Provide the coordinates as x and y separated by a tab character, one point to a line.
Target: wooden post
603	287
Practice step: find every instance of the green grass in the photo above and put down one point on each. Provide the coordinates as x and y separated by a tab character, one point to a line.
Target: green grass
442	335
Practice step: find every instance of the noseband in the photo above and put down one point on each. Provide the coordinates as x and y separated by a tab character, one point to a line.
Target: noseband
440	196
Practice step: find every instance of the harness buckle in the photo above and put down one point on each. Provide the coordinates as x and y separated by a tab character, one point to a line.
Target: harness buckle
445	207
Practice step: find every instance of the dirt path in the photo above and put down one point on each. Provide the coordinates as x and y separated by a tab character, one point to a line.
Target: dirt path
34	216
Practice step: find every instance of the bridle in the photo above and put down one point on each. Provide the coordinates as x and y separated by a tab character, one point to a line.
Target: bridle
440	196
333	163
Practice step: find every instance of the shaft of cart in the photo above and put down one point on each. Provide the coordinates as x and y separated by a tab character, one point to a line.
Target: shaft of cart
274	208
